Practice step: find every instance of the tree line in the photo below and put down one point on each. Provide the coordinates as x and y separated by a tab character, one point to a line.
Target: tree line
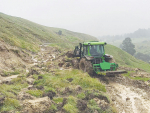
129	47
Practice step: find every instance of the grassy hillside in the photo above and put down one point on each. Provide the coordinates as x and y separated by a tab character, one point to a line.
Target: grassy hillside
125	59
28	35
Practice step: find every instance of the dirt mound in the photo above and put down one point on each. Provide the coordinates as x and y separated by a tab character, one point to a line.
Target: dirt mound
12	58
38	105
68	60
7	80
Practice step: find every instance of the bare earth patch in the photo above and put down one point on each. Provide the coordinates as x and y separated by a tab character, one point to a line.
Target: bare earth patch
127	98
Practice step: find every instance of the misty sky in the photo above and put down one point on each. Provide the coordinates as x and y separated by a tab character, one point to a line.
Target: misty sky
94	17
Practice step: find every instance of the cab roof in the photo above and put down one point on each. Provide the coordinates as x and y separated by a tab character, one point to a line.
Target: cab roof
94	43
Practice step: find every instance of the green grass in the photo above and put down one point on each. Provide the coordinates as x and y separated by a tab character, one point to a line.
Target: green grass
93	106
53	107
28	35
47	89
135	78
71	106
81	95
60	80
6	73
58	99
10	104
125	59
36	93
10	93
12	90
82	79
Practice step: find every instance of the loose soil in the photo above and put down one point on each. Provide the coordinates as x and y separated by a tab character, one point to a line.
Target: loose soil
129	96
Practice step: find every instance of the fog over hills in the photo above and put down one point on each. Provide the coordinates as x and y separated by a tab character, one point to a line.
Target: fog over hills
140	33
140	38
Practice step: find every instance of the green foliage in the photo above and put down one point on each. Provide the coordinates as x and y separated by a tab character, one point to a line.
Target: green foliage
7	73
61	76
13	89
93	106
81	95
10	104
47	89
20	79
128	46
82	79
60	32
53	107
36	93
58	99
71	105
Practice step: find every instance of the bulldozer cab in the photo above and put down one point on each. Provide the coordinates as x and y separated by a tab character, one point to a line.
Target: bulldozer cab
93	50
90	49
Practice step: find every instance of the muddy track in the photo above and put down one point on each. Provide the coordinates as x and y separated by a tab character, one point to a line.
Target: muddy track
128	96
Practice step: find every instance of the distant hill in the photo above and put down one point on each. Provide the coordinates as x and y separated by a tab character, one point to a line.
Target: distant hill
28	35
140	38
140	33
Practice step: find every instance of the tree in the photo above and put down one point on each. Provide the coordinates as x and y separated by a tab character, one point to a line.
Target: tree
60	32
128	46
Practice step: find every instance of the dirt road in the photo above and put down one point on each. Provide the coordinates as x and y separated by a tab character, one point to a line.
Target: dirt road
127	97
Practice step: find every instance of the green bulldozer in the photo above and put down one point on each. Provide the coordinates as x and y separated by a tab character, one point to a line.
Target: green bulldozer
93	59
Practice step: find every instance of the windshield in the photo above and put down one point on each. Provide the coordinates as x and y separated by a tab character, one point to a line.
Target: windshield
97	50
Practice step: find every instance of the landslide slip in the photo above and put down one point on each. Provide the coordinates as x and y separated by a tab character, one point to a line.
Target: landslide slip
129	96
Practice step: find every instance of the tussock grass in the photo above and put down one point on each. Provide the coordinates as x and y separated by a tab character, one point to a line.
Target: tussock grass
53	107
81	95
10	91
71	105
47	89
58	99
10	104
93	106
13	89
82	79
7	73
59	81
36	93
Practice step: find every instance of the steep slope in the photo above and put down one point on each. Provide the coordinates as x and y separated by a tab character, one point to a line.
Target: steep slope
43	84
28	35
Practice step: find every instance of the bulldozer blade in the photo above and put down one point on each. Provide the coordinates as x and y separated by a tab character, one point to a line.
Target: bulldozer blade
107	73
